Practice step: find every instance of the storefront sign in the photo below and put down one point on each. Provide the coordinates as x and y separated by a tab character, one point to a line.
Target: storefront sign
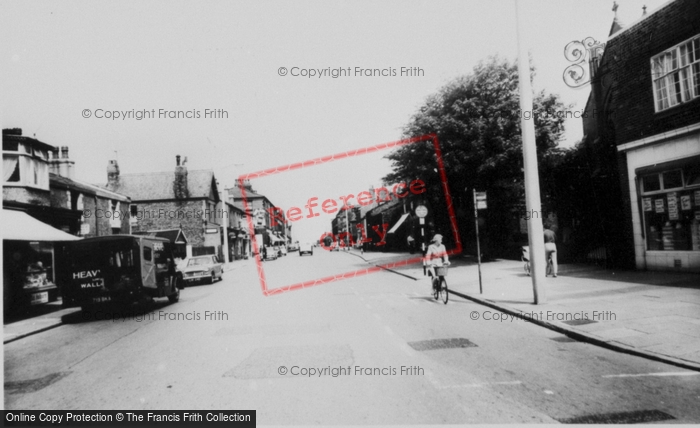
696	196
672	206
647	204
659	203
685	202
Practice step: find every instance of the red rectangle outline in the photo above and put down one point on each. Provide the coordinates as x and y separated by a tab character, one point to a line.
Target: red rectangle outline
335	157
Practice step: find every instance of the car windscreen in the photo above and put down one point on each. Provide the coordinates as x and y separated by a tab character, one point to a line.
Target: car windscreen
199	261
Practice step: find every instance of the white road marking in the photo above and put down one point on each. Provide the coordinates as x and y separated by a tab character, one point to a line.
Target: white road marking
661	374
480	385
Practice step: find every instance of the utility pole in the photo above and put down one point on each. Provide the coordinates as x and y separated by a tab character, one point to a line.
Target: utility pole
532	182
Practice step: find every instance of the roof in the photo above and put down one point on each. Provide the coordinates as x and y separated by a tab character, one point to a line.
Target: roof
61	182
172	235
235	192
28	140
154	186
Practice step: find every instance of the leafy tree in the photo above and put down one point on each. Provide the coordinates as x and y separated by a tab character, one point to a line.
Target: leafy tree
477	121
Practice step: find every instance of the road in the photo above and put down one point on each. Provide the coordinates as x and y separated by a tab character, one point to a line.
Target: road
364	330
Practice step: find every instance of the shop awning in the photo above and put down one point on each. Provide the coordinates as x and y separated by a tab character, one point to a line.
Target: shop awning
398	223
274	237
20	226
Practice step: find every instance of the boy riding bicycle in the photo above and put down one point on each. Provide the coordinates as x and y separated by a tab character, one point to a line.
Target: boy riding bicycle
436	257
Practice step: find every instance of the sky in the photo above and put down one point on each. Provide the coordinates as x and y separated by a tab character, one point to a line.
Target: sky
66	66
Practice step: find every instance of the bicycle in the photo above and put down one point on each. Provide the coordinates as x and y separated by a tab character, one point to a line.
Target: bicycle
526	260
440	284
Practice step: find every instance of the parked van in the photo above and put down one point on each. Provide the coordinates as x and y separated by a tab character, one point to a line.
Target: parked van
119	269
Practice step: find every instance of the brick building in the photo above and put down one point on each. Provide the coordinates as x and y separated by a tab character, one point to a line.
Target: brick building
177	200
645	103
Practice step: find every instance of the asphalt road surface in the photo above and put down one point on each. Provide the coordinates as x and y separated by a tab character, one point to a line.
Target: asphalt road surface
375	349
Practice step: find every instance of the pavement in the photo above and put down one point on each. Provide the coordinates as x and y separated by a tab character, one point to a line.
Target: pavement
655	315
52	315
652	314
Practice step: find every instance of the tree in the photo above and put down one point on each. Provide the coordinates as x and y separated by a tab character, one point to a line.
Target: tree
477	121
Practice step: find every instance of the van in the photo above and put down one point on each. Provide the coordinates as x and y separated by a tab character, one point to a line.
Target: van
120	270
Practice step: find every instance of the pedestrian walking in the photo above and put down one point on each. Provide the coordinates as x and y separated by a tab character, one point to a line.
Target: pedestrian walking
550	246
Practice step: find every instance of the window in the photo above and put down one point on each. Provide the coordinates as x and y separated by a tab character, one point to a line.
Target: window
147	254
676	75
670	203
24	166
651	183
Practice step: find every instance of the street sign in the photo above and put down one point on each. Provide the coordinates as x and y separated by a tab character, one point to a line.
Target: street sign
421	211
480	196
480	205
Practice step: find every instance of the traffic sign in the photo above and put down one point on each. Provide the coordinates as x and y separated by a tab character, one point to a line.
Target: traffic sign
480	196
480	205
421	211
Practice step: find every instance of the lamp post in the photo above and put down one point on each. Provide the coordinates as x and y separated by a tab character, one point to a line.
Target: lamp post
535	231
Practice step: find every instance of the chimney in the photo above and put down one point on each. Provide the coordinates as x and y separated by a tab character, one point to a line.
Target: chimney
62	165
113	174
180	189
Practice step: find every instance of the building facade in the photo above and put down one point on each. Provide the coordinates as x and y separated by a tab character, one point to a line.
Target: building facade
647	100
178	200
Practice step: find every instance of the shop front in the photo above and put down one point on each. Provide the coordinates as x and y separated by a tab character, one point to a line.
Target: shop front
29	274
669	207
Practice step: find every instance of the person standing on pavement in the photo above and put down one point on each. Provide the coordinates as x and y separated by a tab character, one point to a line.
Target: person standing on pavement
550	246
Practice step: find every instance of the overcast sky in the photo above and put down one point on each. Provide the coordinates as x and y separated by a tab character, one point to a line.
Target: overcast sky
61	58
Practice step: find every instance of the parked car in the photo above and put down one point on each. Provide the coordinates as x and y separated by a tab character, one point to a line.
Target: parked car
203	269
283	250
305	248
294	246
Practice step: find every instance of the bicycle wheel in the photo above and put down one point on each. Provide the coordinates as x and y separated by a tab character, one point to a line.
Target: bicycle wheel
436	290
444	295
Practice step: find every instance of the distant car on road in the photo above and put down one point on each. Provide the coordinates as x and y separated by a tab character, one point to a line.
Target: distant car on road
268	253
305	248
203	269
294	247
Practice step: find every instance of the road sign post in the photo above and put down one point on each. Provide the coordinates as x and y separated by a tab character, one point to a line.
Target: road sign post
479	203
422	212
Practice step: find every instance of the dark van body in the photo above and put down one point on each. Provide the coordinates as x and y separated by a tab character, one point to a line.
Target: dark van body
118	269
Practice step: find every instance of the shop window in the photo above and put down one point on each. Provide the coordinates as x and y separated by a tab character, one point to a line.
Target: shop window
673	179
692	176
671	209
651	183
147	254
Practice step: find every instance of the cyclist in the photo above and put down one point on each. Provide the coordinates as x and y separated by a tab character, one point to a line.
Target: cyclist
436	255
